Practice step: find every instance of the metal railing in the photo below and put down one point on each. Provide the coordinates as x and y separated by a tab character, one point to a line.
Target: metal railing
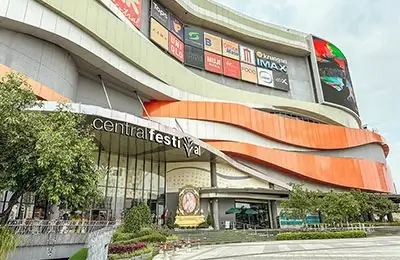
25	227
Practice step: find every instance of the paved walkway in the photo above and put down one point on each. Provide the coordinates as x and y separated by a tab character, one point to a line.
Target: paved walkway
362	248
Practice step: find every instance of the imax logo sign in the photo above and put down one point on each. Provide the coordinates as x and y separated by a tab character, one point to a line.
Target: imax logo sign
271	65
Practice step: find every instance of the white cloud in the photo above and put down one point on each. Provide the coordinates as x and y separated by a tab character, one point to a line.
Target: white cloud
368	33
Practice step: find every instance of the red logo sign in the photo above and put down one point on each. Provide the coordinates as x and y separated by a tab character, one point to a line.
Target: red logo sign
132	10
231	68
213	62
176	47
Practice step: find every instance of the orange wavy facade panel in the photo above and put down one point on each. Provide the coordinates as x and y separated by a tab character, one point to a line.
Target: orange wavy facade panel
285	130
40	90
343	172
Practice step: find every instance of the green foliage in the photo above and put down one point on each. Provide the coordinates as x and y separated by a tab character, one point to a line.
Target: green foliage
137	218
339	207
120	236
320	235
147	250
152	238
209	220
170	222
384	206
8	242
300	203
173	238
49	154
80	254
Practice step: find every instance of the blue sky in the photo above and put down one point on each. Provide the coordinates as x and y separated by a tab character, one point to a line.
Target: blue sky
368	33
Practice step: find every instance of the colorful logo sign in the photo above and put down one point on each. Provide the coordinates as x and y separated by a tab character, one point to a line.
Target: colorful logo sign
158	34
231	68
213	62
160	14
249	72
281	80
267	61
212	43
247	55
194	57
176	27
194	36
265	77
230	49
176	47
132	9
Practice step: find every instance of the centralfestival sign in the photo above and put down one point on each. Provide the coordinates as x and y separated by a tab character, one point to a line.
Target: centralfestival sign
147	134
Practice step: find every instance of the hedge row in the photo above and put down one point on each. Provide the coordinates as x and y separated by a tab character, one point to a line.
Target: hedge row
152	238
120	236
321	235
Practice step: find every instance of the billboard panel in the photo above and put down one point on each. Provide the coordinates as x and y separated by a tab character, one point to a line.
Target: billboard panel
176	26
337	87
158	34
213	62
160	13
268	61
194	36
230	49
176	47
131	9
281	80
265	77
231	68
249	72
212	43
247	55
194	57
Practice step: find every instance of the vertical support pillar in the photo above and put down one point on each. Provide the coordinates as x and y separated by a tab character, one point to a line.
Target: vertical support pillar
274	214
214	184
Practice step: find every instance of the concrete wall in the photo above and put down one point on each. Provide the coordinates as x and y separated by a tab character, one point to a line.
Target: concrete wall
91	92
40	60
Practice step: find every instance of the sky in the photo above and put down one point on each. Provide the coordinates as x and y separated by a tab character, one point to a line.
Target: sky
368	33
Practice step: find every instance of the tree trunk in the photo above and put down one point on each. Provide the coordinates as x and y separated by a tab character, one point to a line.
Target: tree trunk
11	203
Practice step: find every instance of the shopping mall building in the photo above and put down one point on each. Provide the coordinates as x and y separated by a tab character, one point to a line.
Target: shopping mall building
188	93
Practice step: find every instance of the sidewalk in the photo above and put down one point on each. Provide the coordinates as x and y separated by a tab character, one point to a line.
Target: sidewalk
364	248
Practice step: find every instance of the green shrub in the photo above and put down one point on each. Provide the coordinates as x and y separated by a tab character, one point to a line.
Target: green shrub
209	220
119	237
152	238
80	254
321	235
172	238
137	218
8	242
379	224
146	250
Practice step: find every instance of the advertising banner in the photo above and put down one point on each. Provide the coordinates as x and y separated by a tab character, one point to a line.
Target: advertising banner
249	72
158	34
160	14
230	49
212	43
131	9
176	26
265	77
247	55
271	62
194	57
176	47
213	62
281	80
194	36
231	68
337	87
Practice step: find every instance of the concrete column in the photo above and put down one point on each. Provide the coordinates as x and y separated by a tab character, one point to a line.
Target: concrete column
215	214
274	214
213	171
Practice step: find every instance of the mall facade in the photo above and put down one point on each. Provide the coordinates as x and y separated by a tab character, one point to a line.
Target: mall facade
188	93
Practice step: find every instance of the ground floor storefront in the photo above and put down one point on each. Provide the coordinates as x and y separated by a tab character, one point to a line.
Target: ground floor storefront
145	162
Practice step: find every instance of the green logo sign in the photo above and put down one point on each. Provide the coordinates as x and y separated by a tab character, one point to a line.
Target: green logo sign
195	36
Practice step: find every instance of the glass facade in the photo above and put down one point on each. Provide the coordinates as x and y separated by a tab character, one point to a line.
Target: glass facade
135	172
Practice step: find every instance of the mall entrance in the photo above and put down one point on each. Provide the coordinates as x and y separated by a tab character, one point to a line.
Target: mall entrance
252	214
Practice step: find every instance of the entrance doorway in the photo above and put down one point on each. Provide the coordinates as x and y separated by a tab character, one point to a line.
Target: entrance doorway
252	214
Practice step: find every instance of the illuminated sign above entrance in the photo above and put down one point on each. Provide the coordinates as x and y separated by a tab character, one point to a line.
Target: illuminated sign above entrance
148	134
